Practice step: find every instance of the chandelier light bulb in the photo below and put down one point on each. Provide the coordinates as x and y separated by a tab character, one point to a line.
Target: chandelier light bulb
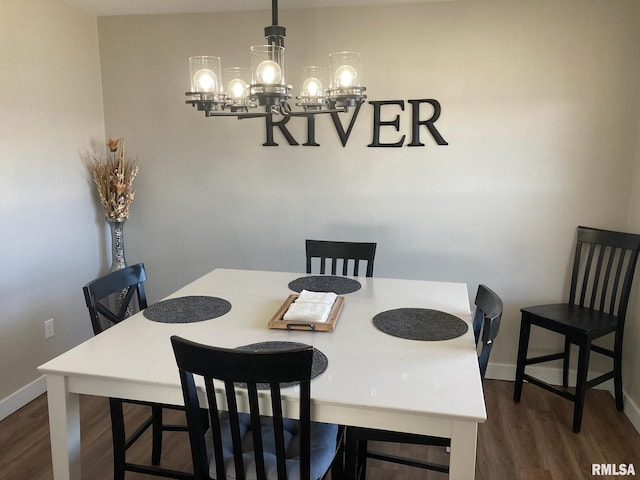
312	87
269	72
206	80
346	76
237	80
237	88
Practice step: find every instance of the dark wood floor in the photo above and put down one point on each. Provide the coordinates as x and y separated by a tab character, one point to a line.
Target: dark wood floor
529	441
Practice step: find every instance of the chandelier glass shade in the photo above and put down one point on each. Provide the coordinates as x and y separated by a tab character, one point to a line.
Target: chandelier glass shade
263	89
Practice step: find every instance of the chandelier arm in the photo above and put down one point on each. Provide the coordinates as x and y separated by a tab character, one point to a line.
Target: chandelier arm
245	115
315	112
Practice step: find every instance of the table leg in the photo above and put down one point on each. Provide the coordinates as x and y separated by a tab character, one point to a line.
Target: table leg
64	428
463	451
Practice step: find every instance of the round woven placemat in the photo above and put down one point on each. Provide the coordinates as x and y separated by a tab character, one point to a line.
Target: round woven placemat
420	324
319	365
325	283
187	309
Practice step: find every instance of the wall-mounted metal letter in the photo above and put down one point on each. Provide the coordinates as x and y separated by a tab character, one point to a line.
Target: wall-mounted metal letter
311	132
344	137
416	122
377	123
281	125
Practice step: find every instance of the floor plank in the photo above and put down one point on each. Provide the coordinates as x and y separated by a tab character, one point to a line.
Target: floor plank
531	440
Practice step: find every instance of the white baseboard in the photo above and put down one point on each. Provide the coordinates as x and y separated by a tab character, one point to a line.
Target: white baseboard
632	411
19	399
554	377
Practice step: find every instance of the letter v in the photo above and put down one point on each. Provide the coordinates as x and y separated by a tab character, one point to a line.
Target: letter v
344	137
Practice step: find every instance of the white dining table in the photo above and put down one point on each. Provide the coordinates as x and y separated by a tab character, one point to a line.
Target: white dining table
373	379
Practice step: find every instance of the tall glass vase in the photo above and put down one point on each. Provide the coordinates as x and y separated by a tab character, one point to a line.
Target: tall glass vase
118	260
117	243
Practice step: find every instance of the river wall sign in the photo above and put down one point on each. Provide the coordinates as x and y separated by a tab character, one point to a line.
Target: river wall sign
418	125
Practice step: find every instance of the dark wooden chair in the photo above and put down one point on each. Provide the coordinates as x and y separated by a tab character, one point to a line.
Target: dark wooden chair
486	325
261	444
128	284
603	268
341	251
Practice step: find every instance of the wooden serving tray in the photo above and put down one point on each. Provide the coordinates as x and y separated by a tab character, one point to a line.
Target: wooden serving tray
328	326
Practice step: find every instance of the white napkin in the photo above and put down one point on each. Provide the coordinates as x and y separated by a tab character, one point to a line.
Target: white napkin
307	312
316	297
311	307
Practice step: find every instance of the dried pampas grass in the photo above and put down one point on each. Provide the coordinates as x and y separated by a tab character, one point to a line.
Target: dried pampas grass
113	175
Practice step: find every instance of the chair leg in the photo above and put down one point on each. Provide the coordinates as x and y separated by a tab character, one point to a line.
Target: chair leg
156	448
337	467
350	457
525	329
565	362
119	440
617	370
581	384
362	459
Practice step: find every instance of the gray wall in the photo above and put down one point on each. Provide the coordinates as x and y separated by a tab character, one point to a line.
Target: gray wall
51	236
540	108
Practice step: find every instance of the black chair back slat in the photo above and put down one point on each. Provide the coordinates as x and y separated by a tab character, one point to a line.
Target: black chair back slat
305	430
256	430
575	273
106	313
605	282
356	266
198	450
214	420
586	274
248	369
341	252
234	424
126	301
615	285
125	305
276	407
596	283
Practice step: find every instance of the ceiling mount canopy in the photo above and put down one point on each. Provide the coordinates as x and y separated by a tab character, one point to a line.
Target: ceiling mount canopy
237	91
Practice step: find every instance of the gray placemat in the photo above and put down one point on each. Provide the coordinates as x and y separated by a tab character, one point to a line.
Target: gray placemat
420	324
187	309
319	365
325	283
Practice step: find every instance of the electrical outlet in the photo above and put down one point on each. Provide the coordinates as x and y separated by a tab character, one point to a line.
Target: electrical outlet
48	328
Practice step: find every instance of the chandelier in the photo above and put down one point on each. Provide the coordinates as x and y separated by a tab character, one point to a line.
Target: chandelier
237	91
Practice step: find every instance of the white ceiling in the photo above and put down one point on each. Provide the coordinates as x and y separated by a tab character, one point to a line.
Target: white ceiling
139	7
